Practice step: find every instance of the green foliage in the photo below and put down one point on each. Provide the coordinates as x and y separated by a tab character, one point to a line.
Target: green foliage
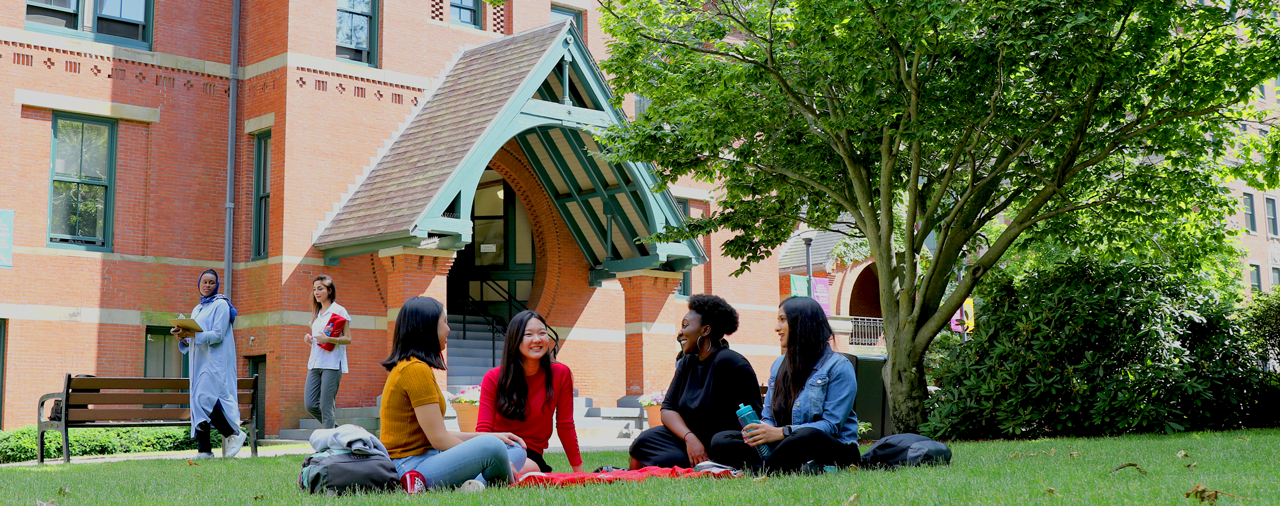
961	114
1091	348
20	445
1261	321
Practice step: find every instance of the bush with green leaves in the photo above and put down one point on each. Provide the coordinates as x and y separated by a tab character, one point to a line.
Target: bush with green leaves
20	445
1086	348
1261	321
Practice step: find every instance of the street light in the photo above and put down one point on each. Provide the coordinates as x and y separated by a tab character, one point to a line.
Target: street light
807	236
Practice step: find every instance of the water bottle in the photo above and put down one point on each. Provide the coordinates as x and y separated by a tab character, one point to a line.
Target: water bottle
747	416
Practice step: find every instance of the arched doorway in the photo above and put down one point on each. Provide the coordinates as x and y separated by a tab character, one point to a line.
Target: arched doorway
864	308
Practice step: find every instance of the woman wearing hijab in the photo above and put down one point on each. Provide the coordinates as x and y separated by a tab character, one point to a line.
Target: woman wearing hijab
808	419
212	356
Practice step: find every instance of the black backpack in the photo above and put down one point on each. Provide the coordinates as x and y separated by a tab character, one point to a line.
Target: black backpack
337	471
906	449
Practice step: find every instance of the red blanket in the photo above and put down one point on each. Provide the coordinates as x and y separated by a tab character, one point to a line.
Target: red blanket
571	479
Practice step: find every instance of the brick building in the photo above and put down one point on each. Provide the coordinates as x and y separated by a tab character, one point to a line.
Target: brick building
438	148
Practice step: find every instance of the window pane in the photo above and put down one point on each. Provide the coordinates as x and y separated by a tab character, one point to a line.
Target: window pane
64	208
489	201
524	289
264	226
1255	277
353	30
67	161
134	10
109	7
1275	278
524	237
490	242
65	4
155	357
365	6
265	181
96	152
1250	222
92	207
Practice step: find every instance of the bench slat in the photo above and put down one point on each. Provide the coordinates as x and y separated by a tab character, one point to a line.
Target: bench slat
80	398
150	414
142	383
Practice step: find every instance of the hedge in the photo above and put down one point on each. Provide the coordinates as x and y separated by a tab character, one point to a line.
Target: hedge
20	445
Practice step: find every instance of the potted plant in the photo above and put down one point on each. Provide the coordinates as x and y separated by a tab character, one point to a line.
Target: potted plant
467	405
652	404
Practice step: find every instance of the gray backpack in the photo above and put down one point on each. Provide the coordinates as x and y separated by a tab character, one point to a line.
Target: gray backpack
337	471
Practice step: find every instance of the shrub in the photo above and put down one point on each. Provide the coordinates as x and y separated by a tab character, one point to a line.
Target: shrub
1261	321
20	445
1088	349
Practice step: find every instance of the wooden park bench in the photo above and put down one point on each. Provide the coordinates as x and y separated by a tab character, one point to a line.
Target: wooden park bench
125	402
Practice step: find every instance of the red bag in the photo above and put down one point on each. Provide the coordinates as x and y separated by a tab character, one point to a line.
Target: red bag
333	328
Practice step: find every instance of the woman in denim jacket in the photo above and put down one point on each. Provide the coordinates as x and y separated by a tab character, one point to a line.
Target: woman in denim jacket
808	417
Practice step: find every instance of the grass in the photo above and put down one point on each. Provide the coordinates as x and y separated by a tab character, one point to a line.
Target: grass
1245	463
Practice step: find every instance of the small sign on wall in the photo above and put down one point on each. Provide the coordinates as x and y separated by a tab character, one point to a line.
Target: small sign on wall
6	238
488	248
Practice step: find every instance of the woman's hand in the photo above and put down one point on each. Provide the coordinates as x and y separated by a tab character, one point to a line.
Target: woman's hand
181	333
307	338
697	453
510	439
756	434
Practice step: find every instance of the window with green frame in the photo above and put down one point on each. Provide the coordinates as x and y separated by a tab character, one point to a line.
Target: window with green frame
119	22
161	356
83	167
686	282
261	195
358	31
559	13
465	12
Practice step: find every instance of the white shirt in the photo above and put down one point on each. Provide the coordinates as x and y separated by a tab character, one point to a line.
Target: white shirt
321	359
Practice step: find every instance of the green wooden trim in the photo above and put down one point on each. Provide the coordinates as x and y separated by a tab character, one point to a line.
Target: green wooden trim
589	212
541	171
610	202
333	255
561	112
108	207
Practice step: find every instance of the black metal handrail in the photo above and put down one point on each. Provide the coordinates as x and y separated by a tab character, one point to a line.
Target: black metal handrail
495	329
515	306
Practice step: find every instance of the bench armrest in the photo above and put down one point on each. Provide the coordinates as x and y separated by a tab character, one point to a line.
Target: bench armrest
43	399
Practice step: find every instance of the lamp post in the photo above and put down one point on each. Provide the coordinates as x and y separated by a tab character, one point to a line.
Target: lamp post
807	236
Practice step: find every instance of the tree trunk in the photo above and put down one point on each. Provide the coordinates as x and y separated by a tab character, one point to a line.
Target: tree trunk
904	375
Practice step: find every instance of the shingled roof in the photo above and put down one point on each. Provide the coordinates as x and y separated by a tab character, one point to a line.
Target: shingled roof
430	149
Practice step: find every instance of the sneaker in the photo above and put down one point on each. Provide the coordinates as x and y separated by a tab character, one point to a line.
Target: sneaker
232	445
811	467
204	456
608	469
714	467
471	486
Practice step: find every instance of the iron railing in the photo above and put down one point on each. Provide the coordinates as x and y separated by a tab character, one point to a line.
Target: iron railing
866	331
495	329
515	306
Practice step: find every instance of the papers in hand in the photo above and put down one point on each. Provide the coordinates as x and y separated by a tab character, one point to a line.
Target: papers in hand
186	324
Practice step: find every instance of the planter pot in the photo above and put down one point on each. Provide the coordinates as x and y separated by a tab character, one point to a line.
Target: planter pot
655	415
467	416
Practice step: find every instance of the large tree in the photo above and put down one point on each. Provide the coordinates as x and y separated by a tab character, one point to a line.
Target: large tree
960	113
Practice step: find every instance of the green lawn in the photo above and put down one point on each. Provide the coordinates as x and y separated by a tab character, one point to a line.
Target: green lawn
1078	471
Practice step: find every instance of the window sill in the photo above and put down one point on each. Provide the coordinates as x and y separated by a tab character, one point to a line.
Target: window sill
78	247
82	35
357	63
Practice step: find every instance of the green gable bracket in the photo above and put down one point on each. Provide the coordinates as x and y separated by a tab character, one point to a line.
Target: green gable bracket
577	116
333	255
453	227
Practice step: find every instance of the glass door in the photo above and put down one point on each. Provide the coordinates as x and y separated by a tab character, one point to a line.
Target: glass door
498	265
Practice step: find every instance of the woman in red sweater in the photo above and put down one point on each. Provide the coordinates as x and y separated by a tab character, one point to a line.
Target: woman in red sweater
528	391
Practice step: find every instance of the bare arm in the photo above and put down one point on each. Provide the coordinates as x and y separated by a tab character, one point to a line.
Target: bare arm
432	423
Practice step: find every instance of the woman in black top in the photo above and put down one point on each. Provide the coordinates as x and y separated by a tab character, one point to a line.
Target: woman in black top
710	382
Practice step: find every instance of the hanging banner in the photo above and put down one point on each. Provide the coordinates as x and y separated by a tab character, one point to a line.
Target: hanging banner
6	238
799	286
962	321
822	293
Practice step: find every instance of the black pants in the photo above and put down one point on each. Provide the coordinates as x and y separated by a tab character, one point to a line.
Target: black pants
660	447
787	455
203	444
537	459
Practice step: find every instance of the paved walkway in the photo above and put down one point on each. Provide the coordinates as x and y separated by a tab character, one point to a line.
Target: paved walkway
585	444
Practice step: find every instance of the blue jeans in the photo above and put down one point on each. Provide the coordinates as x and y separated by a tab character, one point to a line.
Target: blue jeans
483	457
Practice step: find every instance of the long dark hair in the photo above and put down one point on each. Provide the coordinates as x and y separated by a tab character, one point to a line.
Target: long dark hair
416	335
328	284
512	390
807	335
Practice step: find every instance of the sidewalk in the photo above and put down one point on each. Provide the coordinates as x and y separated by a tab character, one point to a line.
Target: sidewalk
585	444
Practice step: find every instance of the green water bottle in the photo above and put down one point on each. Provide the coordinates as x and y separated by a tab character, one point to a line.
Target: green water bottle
747	416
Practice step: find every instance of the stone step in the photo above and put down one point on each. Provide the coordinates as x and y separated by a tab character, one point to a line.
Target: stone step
302	434
475	344
463	381
475	330
616	412
465	369
365	412
484	352
370	424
